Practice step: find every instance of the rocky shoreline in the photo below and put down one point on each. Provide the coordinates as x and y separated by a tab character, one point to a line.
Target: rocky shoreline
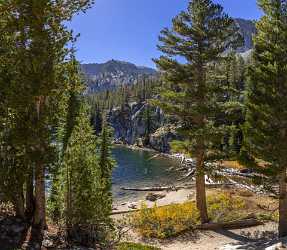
161	198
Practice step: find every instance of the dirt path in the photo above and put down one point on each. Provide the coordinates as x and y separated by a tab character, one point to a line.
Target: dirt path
255	238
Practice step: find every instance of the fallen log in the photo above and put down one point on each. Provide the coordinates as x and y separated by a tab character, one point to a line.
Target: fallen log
244	223
174	188
237	224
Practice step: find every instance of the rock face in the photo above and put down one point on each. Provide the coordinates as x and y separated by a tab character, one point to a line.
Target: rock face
130	122
247	29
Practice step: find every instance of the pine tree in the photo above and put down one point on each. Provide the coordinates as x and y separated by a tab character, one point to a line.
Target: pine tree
81	192
265	130
98	120
80	165
236	77
69	110
106	165
37	83
231	74
200	36
11	169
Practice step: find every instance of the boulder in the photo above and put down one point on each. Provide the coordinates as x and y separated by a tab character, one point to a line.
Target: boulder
132	206
154	197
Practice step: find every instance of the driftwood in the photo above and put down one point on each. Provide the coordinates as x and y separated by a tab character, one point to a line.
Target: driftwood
237	173
153	157
237	224
189	174
155	189
175	188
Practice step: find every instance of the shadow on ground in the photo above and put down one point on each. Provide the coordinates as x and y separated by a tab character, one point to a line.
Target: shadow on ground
257	239
13	233
252	238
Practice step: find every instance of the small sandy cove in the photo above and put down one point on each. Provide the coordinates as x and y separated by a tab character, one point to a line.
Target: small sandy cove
170	197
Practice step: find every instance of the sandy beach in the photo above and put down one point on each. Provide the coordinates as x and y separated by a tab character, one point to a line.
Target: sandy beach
170	197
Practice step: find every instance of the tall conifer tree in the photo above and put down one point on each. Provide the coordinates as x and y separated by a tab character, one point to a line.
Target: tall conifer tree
266	126
81	179
106	165
200	36
38	82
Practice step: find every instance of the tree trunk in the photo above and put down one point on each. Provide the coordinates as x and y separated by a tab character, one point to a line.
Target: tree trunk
39	222
19	205
68	199
200	188
282	204
30	201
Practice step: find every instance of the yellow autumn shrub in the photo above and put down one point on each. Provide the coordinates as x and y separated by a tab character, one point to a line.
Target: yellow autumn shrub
166	221
171	220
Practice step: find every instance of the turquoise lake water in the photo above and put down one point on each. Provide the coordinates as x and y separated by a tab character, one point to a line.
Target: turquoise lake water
135	168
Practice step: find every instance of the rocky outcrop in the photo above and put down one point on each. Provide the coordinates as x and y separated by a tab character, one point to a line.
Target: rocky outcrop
142	125
247	29
132	121
160	140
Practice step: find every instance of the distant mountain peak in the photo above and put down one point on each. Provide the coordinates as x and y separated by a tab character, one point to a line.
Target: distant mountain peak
113	73
247	28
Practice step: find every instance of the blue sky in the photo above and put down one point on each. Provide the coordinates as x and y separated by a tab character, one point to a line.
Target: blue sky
128	29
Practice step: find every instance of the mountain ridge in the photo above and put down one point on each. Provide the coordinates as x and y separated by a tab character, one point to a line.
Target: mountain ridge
115	73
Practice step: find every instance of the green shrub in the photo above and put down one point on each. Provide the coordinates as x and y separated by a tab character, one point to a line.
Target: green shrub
134	246
223	207
268	216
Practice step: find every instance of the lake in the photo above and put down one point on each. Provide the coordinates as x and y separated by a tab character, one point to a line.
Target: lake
138	168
